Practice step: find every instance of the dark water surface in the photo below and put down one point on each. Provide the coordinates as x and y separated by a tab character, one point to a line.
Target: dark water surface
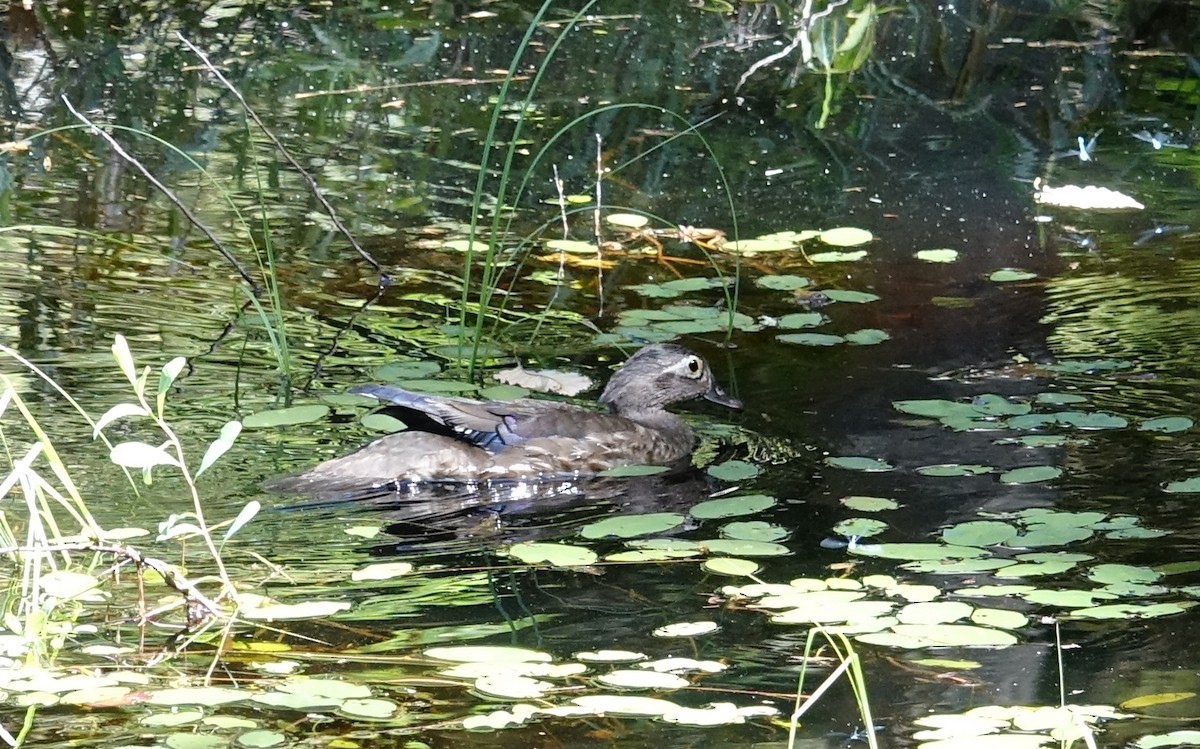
933	143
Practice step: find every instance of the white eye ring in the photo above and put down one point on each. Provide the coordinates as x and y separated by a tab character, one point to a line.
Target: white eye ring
695	367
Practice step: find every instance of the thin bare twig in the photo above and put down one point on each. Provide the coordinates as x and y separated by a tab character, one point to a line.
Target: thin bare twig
191	217
384	279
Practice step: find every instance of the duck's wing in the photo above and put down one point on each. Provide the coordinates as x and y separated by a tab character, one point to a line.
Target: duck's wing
489	425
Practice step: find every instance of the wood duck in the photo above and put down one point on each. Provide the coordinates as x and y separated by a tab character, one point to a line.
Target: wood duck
457	439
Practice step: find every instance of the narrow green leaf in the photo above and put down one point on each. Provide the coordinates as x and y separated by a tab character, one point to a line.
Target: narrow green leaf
169	372
245	516
220	445
124	357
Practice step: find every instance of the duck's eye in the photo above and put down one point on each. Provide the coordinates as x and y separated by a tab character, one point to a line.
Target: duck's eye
694	366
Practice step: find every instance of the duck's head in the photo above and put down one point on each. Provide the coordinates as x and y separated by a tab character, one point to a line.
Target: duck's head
659	375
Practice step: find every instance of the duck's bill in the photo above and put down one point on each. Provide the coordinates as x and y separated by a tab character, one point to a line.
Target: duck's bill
717	395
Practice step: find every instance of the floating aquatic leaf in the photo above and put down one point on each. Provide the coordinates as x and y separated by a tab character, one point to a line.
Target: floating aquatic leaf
554	554
853	463
867	337
850	296
286	417
1005	275
845	236
837	257
733	470
934	612
731	566
1186	486
916	551
369	709
1030	474
861	527
802	320
1161	698
1050	535
439	386
979	533
1122	573
654	291
512	686
1070	599
465	245
261	738
753	530
782	283
940	635
1183	737
1166	424
961	567
811	339
675	665
1060	399
727	507
628	526
1033	569
955	469
504	392
742	548
999	618
869	504
937	256
686	629
1133	610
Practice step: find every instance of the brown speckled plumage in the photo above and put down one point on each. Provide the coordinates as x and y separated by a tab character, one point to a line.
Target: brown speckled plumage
457	439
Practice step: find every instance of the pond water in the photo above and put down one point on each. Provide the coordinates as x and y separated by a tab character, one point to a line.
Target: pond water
1019	404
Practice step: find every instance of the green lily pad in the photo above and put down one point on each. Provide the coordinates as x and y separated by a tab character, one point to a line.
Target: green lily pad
845	236
811	339
554	554
1030	474
1006	275
782	283
867	337
802	320
628	526
733	470
726	507
279	417
855	463
869	504
850	296
937	256
1166	424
